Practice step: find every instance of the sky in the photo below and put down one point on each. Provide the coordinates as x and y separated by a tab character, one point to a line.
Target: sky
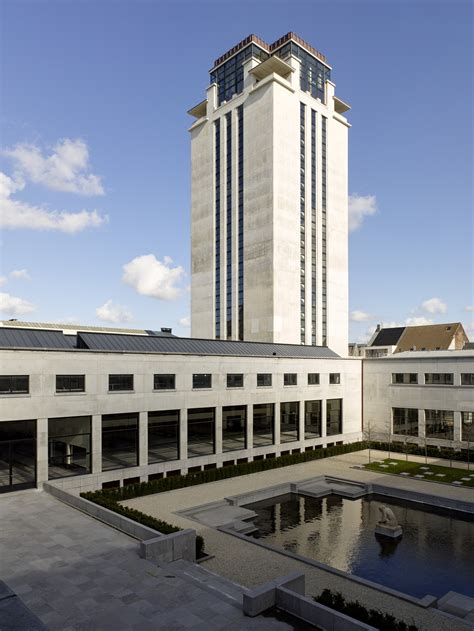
95	153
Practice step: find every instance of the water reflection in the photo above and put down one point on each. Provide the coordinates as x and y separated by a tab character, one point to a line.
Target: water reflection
434	556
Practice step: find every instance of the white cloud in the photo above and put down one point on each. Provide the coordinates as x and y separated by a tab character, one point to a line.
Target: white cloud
17	214
469	308
110	312
151	277
360	316
3	280
418	321
12	305
360	206
434	305
65	169
21	274
185	322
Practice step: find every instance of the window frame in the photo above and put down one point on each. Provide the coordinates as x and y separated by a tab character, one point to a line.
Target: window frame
162	375
199	375
334	378
10	391
71	390
317	381
233	375
289	376
262	375
115	389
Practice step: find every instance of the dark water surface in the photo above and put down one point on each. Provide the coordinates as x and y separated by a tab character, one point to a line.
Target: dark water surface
434	556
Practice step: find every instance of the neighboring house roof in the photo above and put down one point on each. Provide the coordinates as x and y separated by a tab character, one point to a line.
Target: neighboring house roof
16	338
431	337
52	326
388	337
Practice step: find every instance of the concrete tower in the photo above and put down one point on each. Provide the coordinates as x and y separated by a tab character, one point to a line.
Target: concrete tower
269	199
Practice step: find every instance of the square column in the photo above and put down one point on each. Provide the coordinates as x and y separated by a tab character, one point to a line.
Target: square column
96	455
143	439
301	421
183	434
218	429
41	451
421	424
324	429
277	423
457	427
249	427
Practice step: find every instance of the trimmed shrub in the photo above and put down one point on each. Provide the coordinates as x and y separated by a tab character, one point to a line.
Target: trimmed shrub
354	609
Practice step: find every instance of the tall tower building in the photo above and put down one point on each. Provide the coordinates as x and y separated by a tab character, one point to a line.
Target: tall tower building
269	199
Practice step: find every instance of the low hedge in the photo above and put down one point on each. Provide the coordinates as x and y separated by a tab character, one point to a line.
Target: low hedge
354	609
432	451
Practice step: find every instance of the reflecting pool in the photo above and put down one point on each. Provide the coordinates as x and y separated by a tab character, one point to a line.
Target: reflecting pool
434	556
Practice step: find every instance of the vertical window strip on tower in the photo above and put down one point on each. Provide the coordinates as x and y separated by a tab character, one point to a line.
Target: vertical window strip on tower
323	226
302	221
240	114
217	129
313	227
229	223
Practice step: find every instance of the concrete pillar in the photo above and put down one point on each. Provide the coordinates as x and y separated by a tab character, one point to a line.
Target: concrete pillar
421	424
301	421
277	423
183	434
249	428
457	426
41	451
218	437
324	410
143	439
96	455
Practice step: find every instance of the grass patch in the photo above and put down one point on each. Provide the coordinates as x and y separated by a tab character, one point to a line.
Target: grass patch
430	472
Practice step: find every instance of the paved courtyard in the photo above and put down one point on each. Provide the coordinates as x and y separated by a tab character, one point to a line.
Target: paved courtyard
76	573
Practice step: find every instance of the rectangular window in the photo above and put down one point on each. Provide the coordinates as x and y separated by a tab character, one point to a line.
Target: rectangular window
439	378
334	378
312	419
467	426
70	383
164	382
69	446
405	421
235	381
163	436
404	377
14	384
439	424
201	432
290	379
289	421
120	382
313	379
234	427
263	424
264	380
202	381
119	441
17	455
333	417
467	379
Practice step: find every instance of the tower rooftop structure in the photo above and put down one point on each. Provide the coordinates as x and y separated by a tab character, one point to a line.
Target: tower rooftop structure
269	198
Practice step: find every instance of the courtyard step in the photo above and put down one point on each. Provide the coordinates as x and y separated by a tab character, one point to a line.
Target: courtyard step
220	586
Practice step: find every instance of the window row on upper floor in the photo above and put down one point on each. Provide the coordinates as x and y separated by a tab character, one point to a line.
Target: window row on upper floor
432	378
19	384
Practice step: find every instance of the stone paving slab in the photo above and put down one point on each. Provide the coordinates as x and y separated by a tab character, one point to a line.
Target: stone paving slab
77	574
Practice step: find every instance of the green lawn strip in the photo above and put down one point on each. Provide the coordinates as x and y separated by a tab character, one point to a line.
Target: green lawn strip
451	474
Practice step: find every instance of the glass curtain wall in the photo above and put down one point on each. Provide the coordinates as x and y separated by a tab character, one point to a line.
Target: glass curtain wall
163	436
17	455
119	441
201	432
312	419
69	446
333	417
439	424
289	421
405	421
263	424
234	427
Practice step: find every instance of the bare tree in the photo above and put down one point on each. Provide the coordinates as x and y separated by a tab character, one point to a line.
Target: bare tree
405	446
368	433
389	435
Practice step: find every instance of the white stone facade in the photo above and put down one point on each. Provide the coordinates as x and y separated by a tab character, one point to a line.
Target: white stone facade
272	312
43	403
381	395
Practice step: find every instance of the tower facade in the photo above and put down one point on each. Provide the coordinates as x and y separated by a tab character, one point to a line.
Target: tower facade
269	199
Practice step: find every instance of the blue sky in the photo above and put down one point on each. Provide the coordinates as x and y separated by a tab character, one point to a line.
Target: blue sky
94	121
